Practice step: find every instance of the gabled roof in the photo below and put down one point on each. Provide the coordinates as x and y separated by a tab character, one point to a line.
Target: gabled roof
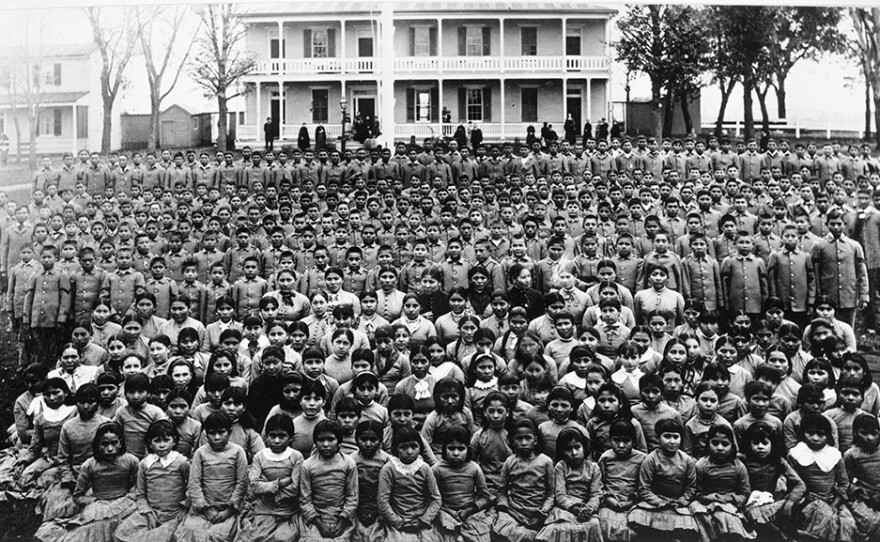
51	51
46	98
354	7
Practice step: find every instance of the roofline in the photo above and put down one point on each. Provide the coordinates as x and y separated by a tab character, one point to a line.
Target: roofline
403	14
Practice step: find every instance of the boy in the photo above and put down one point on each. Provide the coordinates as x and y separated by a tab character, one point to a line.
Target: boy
18	281
702	275
235	259
46	306
790	277
559	348
411	274
68	263
354	278
85	286
208	255
248	290
400	412
313	279
194	289
217	287
744	279
611	332
163	288
839	263
180	318
454	269
312	400
629	266
176	256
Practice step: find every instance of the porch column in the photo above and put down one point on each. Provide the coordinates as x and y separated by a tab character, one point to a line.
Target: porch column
73	149
564	99
589	92
342	52
501	36
503	111
259	114
564	28
440	106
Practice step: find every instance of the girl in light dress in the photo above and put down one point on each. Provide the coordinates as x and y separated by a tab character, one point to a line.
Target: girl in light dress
104	492
161	489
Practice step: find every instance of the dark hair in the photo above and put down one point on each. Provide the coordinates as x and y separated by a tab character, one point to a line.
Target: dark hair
313	387
624	413
727	431
217	421
668	425
216	382
135	382
105	429
401	401
820	363
622	428
566	437
859	360
446	385
525	423
456	433
370	426
328	426
161	428
348	404
179	393
863	422
239	395
405	434
87	392
816	422
280	422
758	432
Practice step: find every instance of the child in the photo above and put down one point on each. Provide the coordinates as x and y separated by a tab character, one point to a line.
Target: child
718	378
420	384
243	432
409	498
449	411
34	376
490	446
274	483
463	345
849	400
365	387
223	361
611	407
45	309
348	415
861	461
527	493
420	328
312	402
667	484
223	313
109	478
629	374
652	409
757	402
217	485
161	489
855	367
697	428
215	385
187	428
560	406
619	467
824	514
766	506
328	488
313	370
818	371
369	459
481	381
722	489
464	492
584	376
671	376
135	417
578	488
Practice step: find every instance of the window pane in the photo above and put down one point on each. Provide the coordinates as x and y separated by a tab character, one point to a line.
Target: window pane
529	41
475	104
529	98
573	45
319	44
474	41
423	106
422	41
365	47
319	105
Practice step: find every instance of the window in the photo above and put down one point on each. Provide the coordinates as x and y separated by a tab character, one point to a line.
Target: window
49	122
529	39
573	42
82	121
320	102
422	41
365	46
277	48
423	106
474	42
56	75
529	104
241	117
474	104
319	44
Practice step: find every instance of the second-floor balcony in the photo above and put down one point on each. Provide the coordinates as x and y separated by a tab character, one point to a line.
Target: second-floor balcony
309	67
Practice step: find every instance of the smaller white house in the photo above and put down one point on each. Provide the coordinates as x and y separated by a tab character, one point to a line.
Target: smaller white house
65	90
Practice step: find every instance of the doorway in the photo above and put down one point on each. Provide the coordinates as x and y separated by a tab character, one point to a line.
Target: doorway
573	104
275	113
366	106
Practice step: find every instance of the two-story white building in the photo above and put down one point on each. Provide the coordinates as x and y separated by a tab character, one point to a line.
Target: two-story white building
65	91
502	65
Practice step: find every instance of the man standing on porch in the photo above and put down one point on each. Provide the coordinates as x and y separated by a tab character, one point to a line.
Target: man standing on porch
269	132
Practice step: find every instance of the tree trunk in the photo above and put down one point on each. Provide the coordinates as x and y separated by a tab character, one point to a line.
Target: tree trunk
868	110
685	113
877	118
107	127
765	115
749	117
725	98
222	111
154	142
32	135
781	109
668	113
656	109
17	125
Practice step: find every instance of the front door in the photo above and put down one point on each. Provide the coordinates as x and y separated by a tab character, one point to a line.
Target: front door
275	113
574	109
167	136
366	106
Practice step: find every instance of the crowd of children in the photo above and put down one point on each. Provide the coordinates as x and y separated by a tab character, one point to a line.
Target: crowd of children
570	343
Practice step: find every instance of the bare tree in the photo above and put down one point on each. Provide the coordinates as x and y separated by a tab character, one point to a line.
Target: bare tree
172	21
219	62
116	44
867	23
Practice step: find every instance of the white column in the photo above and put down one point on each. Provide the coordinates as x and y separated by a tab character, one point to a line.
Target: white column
386	75
440	106
342	52
564	100
501	36
73	149
589	92
259	115
564	29
503	109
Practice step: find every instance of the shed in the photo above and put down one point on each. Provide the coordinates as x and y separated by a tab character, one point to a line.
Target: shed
178	128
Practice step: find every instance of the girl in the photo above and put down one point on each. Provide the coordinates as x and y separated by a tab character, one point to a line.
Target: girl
225	307
649	359
33	469
102	328
810	400
328	488
299	336
764	462
409	499
188	350
135	343
116	351
274	482
464	493
187	428
855	367
849	393
224	362
479	293
527	491
671	376
318	319
560	407
819	372
667	484
449	324
71	368
659	335
449	411
490	446
535	375
628	375
419	385
530	344
182	373
369	321
243	431
420	328
521	293
391	366
717	377
726	355
508	340
161	489
695	362
579	368
861	466
611	406
463	345
777	357
390	299
481	381
338	364
286	400
442	366
722	489
578	492
823	514
313	371
111	475
278	334
824	309
697	428
369	458
620	475
217	486
676	354
790	340
160	349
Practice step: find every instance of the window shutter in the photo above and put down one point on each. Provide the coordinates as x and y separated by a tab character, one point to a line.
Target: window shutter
57	121
435	105
462	104
432	39
273	48
331	42
307	43
487	34
487	104
462	41
412	41
410	105
57	75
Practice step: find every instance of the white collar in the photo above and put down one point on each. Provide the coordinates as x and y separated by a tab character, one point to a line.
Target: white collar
408	470
53	415
622	376
480	385
272	456
826	458
152	459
